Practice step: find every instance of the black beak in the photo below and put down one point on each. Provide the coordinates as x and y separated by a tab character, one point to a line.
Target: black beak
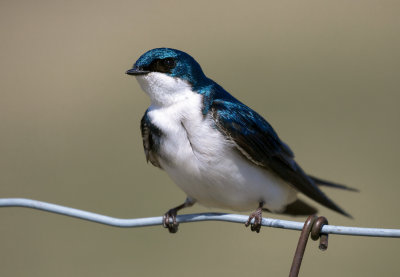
136	71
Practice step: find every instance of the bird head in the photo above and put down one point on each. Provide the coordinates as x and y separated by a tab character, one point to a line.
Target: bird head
165	74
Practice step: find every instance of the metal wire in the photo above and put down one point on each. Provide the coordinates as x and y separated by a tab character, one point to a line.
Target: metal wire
151	221
313	225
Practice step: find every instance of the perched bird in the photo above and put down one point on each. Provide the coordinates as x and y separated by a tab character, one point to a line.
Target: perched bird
220	152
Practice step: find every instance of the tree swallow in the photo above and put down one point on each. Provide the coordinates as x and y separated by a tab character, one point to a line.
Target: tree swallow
220	152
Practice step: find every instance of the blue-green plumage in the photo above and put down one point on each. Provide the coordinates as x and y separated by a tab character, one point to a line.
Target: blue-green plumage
186	67
256	137
172	78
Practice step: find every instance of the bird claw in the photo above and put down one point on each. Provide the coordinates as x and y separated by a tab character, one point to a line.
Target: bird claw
257	215
167	218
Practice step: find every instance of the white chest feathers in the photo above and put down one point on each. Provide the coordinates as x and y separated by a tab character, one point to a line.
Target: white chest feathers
198	157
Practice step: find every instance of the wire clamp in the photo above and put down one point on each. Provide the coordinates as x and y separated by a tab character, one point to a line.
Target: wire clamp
313	225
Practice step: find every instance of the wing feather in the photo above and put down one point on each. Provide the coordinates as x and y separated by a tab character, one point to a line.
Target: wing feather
150	136
255	138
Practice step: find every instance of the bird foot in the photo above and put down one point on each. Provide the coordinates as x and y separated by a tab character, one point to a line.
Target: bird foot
169	221
257	215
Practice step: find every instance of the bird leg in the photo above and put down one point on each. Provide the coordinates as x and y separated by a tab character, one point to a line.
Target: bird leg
169	218
257	215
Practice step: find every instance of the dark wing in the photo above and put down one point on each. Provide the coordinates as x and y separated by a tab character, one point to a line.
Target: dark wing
258	142
151	136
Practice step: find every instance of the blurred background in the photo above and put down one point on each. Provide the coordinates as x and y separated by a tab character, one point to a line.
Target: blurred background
325	74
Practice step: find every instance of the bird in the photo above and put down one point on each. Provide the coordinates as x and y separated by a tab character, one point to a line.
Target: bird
219	151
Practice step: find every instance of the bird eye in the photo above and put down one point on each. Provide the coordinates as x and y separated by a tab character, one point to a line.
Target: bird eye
162	65
169	63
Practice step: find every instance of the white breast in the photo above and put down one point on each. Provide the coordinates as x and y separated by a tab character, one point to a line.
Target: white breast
205	165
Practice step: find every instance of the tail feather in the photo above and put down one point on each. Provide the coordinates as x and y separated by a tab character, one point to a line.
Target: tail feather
325	183
298	208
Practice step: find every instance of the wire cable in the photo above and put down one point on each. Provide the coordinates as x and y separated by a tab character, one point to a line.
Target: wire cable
185	218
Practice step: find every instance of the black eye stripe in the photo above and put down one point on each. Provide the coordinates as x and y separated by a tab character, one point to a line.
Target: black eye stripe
162	65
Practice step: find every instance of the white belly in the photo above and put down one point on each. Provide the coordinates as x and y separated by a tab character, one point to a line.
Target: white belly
207	167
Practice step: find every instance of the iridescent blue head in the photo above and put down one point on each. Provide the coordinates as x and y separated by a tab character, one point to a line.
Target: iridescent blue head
171	62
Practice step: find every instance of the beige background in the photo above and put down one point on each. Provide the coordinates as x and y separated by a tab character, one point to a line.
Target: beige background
326	74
